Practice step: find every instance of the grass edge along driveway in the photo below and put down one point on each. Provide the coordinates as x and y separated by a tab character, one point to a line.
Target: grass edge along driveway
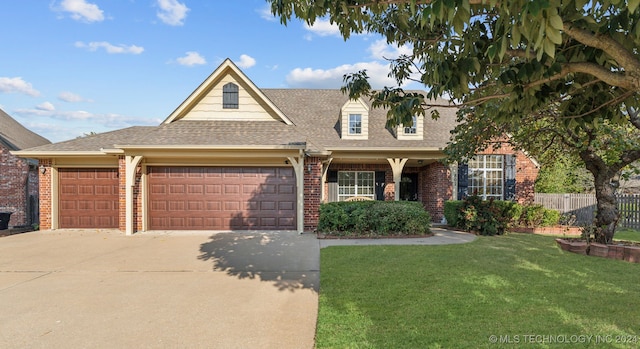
496	292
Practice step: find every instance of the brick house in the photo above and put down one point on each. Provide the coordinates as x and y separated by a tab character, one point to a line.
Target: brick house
233	156
18	176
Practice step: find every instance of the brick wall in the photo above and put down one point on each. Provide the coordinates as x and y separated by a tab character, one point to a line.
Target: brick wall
44	184
312	192
526	171
18	181
435	188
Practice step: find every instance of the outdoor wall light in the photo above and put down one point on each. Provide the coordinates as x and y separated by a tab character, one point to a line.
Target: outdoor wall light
43	170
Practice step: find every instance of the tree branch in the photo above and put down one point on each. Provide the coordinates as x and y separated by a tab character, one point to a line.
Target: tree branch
626	59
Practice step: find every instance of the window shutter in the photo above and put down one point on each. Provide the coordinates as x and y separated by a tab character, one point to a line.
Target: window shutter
332	176
510	177
380	184
463	181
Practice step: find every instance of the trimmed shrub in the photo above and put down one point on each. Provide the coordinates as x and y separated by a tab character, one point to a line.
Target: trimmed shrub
492	217
452	210
373	218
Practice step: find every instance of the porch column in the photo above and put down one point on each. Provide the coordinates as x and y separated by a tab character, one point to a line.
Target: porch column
298	167
131	163
323	180
396	166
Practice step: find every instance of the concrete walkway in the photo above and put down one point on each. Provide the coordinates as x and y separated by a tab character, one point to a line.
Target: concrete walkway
102	289
441	237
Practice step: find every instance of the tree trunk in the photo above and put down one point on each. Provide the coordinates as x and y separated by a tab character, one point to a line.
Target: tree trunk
607	205
607	214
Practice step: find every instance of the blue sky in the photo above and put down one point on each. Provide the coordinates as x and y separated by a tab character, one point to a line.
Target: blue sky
70	67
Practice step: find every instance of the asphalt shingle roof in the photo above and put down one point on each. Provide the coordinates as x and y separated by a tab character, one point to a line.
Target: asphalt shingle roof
17	136
316	118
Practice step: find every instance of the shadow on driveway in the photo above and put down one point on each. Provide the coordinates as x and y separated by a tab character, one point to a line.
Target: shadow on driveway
288	259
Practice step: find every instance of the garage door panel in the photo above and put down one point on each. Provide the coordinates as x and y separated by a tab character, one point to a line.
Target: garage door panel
222	198
88	198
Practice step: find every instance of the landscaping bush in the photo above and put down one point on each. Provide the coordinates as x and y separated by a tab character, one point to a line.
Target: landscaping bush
452	210
492	217
373	218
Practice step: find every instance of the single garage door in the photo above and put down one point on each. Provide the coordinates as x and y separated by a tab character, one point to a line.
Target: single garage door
217	198
88	197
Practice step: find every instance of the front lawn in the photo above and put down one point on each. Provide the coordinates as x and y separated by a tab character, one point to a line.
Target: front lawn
520	288
627	234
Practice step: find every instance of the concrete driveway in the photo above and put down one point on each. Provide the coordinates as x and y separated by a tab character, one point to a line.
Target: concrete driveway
101	289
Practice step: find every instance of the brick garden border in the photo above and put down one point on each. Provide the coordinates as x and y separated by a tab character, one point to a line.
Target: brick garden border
619	252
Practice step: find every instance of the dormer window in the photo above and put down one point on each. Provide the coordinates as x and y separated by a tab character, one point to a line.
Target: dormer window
354	118
413	132
230	96
355	124
413	129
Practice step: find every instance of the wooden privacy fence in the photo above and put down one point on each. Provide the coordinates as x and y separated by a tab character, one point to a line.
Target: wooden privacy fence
583	207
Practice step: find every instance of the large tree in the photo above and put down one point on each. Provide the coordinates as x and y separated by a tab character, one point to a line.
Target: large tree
504	63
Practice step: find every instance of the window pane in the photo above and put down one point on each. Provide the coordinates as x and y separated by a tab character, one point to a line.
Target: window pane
486	176
355	123
352	183
412	129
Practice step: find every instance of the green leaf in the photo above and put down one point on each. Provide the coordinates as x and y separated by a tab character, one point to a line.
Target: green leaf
516	35
554	35
556	21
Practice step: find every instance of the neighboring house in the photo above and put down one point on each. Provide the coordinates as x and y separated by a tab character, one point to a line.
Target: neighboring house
18	176
233	156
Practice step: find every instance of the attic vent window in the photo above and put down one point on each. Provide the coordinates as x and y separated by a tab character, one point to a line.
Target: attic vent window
230	96
355	124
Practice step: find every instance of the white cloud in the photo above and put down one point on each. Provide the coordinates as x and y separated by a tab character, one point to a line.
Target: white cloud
76	123
82	11
17	85
110	48
381	50
246	61
46	106
172	12
333	78
265	13
109	120
71	97
192	58
323	28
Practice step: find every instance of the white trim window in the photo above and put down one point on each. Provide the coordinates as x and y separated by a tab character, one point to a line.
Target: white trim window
486	173
355	124
411	130
356	183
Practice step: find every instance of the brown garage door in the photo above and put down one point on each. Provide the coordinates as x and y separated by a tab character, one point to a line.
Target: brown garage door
216	198
88	197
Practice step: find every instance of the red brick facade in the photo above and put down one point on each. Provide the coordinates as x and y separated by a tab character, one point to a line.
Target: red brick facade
434	187
18	188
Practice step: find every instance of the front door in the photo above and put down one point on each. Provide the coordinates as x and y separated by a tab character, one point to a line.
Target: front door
409	187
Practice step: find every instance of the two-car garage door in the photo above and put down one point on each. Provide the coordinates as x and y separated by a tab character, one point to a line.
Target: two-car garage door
185	198
221	198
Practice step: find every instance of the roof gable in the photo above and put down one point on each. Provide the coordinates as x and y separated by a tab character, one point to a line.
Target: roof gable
205	103
16	136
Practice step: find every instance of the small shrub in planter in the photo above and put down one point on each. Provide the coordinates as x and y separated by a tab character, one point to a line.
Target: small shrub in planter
373	218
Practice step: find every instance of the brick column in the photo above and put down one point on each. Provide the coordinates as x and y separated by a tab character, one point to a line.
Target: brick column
44	185
312	192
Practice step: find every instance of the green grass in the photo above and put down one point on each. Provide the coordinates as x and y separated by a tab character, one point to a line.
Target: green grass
457	296
627	235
